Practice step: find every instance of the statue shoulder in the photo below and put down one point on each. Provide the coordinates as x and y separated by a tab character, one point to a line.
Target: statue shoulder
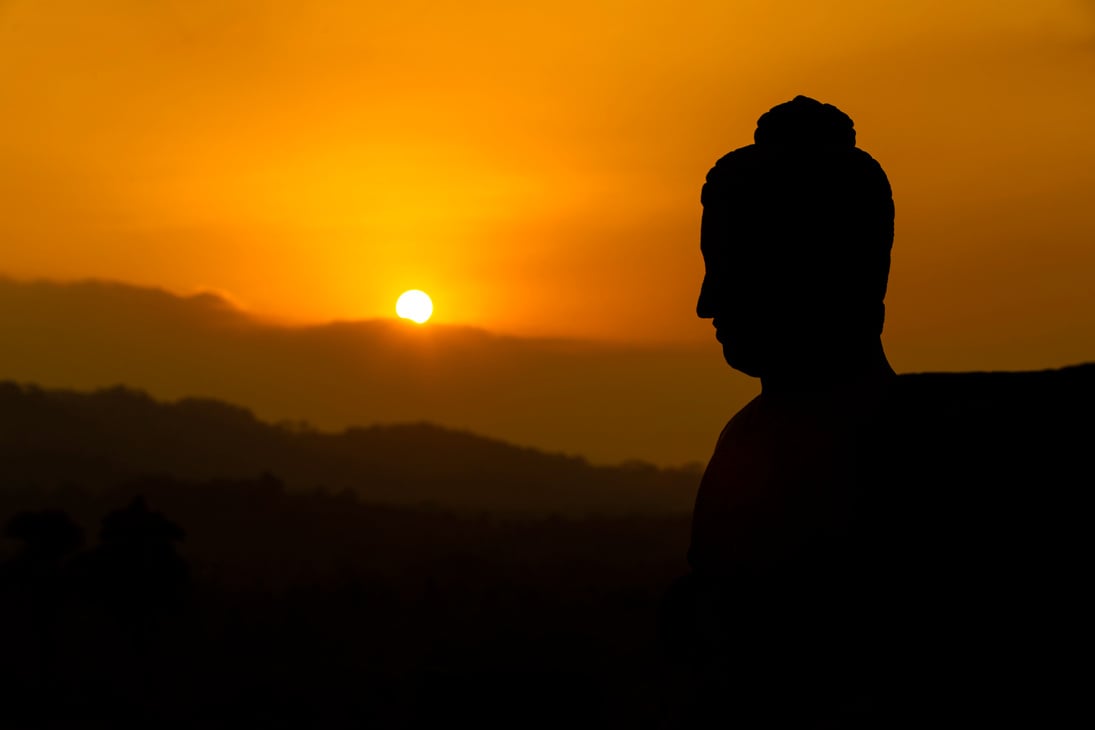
742	422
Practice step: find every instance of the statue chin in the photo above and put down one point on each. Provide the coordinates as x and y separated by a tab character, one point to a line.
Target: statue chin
741	361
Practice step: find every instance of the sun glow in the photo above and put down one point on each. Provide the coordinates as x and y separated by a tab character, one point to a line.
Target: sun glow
414	305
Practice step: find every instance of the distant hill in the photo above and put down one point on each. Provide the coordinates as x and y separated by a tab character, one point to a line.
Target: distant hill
100	439
609	403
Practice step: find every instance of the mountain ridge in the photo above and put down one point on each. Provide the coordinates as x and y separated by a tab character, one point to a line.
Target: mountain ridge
51	437
606	401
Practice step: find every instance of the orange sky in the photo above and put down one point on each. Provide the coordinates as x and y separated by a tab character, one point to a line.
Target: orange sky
536	166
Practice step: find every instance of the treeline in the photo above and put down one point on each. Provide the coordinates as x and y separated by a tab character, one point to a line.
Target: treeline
50	437
186	565
240	603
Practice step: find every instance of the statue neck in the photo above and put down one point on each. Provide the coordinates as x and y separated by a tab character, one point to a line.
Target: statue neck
832	370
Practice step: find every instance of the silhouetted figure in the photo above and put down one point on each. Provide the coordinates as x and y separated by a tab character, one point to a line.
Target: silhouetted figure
868	549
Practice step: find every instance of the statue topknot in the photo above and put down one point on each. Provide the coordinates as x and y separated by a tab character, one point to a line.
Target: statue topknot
805	123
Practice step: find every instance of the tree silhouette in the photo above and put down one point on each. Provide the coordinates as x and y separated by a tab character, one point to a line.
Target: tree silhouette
136	565
47	535
36	585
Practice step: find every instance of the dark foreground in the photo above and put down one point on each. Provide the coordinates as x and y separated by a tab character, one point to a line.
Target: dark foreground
163	604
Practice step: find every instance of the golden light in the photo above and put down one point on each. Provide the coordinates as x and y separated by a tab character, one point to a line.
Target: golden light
414	305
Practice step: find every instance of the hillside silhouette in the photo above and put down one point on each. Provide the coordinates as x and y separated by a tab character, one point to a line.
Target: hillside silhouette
236	603
53	437
186	564
165	602
557	395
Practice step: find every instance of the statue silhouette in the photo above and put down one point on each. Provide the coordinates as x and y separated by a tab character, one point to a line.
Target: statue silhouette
868	549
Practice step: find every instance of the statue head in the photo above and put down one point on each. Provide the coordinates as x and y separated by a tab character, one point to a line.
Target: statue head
796	235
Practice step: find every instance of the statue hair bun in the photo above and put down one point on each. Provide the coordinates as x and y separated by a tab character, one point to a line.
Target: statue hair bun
805	123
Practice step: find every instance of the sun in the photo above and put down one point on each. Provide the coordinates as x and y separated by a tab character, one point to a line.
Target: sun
414	305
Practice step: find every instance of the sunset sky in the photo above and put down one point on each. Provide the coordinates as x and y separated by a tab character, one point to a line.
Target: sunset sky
536	167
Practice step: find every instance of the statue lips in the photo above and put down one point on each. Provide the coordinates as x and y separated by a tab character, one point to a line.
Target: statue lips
718	332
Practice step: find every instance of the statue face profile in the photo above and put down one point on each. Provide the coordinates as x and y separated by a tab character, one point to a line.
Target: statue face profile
751	307
730	297
795	236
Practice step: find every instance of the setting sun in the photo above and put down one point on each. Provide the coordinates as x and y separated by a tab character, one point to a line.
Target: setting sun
414	305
